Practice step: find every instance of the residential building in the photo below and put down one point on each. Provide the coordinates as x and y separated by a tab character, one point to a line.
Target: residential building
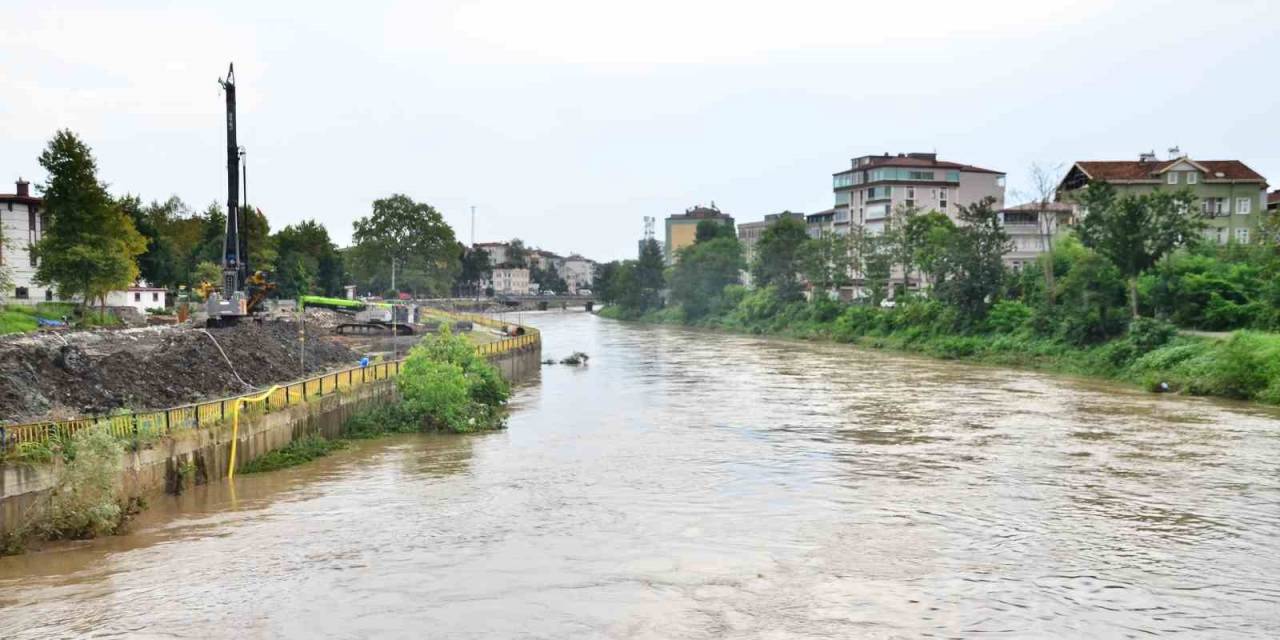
545	260
577	272
682	228
1273	202
21	224
139	298
1031	228
1232	196
876	186
497	251
821	223
508	281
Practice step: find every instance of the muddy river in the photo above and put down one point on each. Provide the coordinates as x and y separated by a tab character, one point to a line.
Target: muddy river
693	485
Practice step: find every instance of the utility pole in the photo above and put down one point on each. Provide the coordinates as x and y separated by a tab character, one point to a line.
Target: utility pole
475	285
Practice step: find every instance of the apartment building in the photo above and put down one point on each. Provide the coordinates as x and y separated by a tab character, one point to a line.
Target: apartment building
749	232
1232	196
876	186
821	223
1032	227
577	272
509	281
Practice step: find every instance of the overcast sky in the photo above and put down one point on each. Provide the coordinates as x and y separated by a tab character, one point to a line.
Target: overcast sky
565	122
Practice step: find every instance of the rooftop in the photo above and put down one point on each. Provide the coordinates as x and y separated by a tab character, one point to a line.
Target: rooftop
1149	169
701	213
911	160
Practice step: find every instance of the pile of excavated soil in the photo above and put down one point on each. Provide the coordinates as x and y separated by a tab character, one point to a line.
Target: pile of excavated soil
90	373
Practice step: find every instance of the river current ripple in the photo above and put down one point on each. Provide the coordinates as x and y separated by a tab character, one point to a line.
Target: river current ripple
698	485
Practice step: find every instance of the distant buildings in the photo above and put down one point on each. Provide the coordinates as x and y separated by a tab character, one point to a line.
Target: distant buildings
682	228
1232	196
23	225
1273	202
498	251
577	272
876	186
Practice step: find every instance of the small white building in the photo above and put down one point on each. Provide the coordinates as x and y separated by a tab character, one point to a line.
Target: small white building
139	298
508	281
577	272
21	225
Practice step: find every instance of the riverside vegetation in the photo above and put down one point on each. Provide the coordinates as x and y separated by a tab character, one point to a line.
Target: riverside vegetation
444	386
1113	298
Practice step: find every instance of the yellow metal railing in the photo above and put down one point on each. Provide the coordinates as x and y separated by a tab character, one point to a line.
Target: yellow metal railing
207	414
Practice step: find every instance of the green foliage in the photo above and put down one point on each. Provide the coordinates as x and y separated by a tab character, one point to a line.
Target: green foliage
12	320
446	385
711	229
90	245
299	451
827	261
779	257
970	272
1008	316
307	261
703	270
416	237
85	501
475	267
1135	231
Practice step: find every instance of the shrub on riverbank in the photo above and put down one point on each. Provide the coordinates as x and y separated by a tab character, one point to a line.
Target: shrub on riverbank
445	384
295	453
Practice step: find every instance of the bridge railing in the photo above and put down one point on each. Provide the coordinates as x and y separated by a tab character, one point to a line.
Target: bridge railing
200	415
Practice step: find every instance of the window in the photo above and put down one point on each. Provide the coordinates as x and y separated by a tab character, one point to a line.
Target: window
1243	206
1172	177
1192	177
920	175
137	297
21	293
48	295
842	197
1242	236
1000	181
155	297
1213	206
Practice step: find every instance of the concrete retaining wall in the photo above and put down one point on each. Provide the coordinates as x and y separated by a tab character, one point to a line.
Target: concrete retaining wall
201	455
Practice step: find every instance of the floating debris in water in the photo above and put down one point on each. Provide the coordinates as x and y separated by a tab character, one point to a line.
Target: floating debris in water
577	358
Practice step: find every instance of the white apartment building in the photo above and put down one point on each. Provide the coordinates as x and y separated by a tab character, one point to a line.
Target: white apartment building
1032	227
577	272
875	186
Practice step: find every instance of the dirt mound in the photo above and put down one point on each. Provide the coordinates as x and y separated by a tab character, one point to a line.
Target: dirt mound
51	376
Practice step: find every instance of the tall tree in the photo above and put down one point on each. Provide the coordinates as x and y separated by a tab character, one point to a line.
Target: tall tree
712	229
413	236
827	262
307	261
648	274
90	245
778	257
476	267
517	254
704	269
971	271
928	236
1135	231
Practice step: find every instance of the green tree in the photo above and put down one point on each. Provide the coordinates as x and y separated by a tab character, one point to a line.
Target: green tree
778	257
928	236
876	258
415	237
649	279
547	279
827	262
475	268
90	246
604	281
712	229
517	254
1135	231
970	273
704	269
307	261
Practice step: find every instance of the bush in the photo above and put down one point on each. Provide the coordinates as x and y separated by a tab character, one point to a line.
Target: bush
1148	334
85	501
1008	316
295	453
445	384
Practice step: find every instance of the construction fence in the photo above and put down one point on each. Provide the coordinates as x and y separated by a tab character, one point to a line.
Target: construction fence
149	424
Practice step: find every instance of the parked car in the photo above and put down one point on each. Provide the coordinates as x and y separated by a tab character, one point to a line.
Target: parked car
584	292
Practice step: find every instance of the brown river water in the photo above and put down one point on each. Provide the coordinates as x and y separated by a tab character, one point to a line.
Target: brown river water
698	485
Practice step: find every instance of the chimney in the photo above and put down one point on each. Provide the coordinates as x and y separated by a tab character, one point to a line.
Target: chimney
23	188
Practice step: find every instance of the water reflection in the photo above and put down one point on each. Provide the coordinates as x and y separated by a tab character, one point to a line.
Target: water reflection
692	484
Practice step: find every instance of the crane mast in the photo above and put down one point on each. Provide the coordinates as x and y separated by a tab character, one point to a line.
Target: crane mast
233	266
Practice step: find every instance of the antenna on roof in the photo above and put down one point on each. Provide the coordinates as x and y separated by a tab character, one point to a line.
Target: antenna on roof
1174	152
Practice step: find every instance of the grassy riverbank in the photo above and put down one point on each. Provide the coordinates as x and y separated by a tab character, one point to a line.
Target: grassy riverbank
1244	366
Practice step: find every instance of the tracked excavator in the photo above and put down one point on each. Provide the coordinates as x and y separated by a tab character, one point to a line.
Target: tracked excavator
242	290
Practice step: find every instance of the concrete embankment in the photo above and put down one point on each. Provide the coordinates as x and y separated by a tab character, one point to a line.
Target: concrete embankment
173	463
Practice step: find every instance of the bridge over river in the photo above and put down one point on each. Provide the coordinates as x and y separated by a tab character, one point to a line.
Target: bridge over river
689	484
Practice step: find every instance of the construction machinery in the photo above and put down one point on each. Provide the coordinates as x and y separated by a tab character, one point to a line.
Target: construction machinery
241	291
375	318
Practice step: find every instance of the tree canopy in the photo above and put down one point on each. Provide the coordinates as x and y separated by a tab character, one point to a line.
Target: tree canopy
778	257
413	235
90	245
